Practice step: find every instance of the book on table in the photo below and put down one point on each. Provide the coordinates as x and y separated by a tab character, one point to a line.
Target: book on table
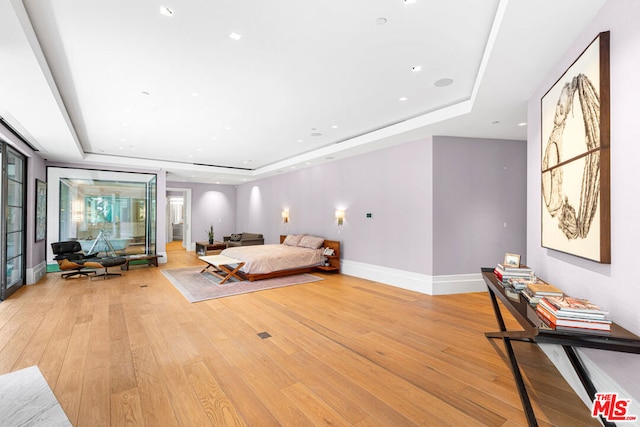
577	323
576	305
544	302
541	288
521	269
510	272
592	318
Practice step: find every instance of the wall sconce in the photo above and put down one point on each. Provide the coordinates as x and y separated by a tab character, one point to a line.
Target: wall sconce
340	216
285	217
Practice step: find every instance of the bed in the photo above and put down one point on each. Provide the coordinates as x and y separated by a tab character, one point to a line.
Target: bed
287	258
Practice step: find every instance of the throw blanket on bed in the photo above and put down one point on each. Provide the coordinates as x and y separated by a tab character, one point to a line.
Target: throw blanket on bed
261	259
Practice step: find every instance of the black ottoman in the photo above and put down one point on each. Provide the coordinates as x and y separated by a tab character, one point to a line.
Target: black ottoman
105	263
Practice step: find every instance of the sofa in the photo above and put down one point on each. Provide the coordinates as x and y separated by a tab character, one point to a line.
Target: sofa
243	239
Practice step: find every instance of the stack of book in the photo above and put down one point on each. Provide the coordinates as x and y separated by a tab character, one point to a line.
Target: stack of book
504	273
534	291
572	314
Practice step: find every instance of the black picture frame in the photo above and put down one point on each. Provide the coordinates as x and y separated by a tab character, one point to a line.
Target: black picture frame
41	211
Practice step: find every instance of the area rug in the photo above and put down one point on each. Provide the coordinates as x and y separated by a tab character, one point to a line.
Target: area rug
27	400
196	286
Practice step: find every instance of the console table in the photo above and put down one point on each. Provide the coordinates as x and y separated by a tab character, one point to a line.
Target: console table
619	339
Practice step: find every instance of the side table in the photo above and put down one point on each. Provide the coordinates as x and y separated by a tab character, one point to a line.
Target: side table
203	247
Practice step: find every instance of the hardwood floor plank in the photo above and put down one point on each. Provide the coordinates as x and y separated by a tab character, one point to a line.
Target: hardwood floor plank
95	402
122	373
69	385
313	407
125	409
184	403
217	405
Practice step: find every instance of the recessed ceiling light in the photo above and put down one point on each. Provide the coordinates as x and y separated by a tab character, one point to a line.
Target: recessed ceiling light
522	124
235	36
301	140
443	82
334	126
416	68
214	138
166	11
227	128
402	98
195	94
381	21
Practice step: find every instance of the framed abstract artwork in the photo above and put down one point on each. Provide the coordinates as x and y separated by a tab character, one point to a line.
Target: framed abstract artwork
575	157
41	210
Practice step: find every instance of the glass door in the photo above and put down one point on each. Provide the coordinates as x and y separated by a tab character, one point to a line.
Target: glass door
13	231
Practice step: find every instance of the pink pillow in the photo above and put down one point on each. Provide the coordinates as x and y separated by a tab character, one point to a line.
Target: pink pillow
311	242
292	239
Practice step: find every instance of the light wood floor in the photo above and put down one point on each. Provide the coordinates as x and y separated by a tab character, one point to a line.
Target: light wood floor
343	351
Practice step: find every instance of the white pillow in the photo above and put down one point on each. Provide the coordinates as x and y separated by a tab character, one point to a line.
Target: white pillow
311	242
292	239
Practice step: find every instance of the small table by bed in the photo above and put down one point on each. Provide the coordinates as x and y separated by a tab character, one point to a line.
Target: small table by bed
203	247
222	267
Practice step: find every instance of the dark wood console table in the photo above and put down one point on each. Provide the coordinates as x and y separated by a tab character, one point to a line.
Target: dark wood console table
203	247
619	339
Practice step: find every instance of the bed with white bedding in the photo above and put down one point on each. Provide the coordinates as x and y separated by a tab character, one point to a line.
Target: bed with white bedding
296	254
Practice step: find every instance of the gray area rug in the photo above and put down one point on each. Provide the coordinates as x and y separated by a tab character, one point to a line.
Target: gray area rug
27	400
196	286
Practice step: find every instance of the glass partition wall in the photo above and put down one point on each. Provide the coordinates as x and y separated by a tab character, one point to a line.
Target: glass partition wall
112	213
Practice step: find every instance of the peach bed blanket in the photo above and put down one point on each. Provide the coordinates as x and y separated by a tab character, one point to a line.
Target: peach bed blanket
262	259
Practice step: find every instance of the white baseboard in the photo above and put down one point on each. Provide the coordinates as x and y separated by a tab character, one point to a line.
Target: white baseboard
36	273
423	283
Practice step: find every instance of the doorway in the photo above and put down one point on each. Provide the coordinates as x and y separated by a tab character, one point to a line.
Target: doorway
179	216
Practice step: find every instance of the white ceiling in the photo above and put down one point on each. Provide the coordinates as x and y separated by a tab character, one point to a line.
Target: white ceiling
310	81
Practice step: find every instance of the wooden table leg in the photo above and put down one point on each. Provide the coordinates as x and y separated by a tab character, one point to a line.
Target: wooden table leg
231	273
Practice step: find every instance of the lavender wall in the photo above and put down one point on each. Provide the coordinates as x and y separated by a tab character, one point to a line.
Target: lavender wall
479	202
35	251
438	205
211	205
615	287
393	184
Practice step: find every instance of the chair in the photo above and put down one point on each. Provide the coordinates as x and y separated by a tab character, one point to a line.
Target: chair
69	256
